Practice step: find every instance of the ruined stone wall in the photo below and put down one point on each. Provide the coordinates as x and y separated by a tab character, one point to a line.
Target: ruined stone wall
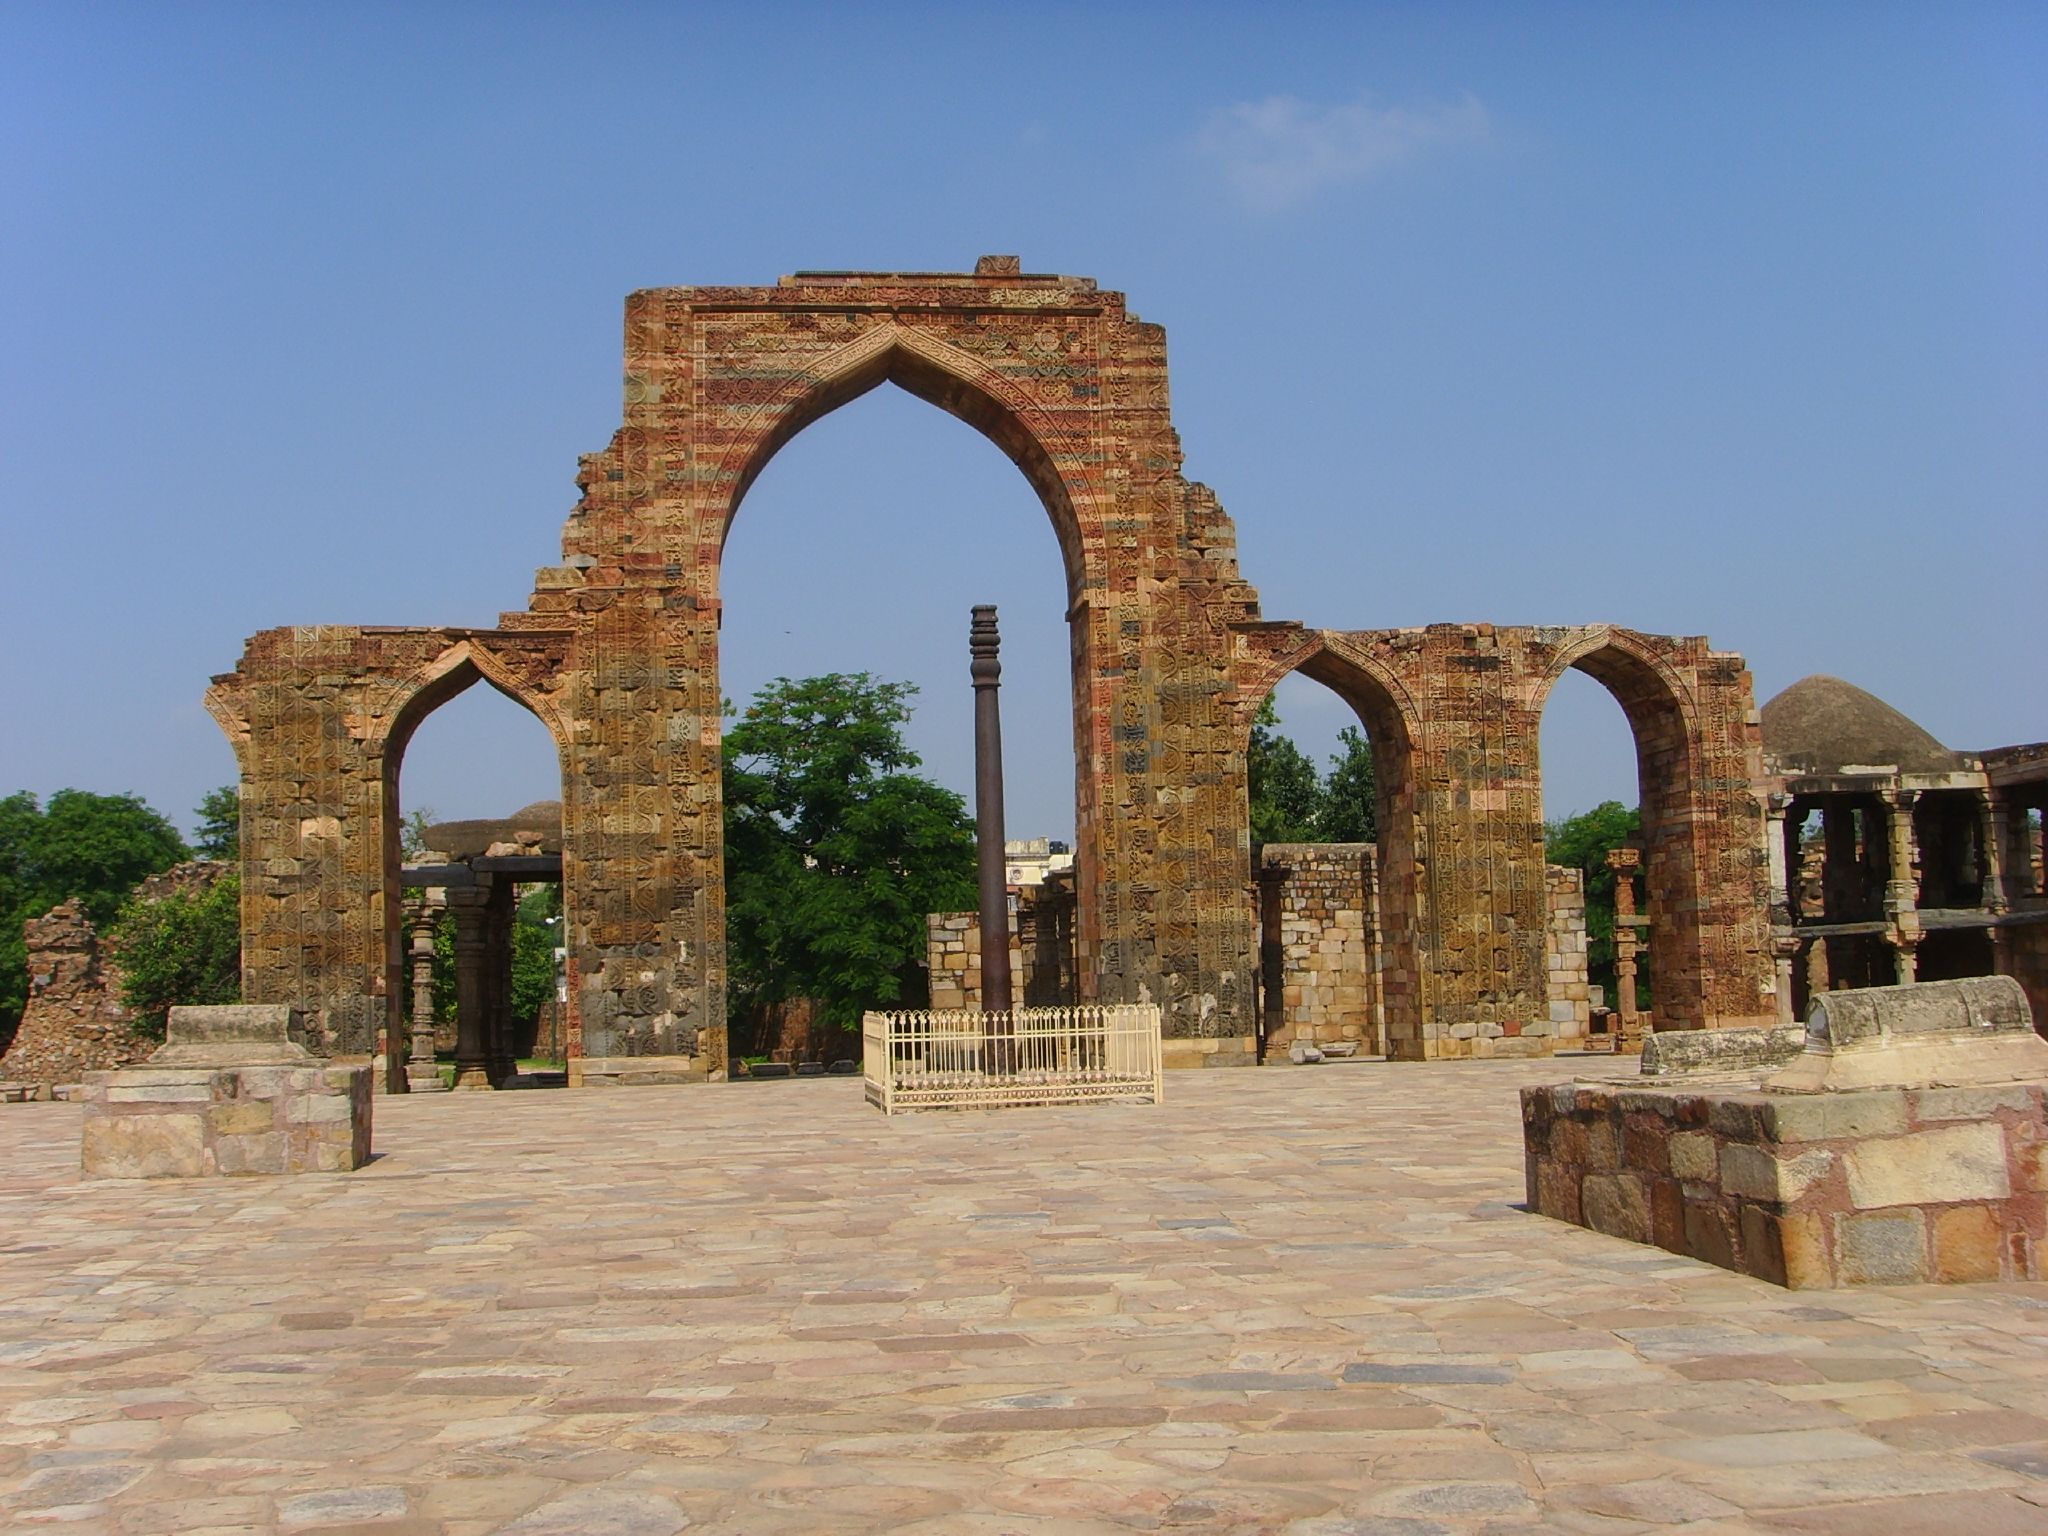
953	956
75	1021
1320	915
1454	712
320	716
1564	956
618	653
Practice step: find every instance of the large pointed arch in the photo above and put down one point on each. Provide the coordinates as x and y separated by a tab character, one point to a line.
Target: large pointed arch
940	375
1394	727
1663	717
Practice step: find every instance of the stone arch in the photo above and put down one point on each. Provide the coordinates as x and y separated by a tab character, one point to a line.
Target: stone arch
1394	727
1054	461
1664	718
405	705
940	375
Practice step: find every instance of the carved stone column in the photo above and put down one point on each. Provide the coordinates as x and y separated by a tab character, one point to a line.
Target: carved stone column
1784	884
422	1072
1995	833
1901	892
1624	862
467	906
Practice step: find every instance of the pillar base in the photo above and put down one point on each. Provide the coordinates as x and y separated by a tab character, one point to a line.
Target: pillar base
424	1077
472	1076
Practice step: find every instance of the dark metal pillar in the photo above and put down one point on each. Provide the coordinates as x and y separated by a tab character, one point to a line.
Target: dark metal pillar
982	643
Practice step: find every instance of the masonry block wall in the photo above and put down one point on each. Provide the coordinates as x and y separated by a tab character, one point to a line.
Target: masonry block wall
1320	929
953	956
1567	981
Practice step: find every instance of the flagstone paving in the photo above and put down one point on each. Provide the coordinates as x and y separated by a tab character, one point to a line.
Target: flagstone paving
1299	1300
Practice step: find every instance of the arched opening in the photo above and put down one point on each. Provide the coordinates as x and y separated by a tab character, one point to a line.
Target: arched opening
1664	859
475	909
806	588
1330	819
1590	810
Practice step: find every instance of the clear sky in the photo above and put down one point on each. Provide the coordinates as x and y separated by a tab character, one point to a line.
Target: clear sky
1703	319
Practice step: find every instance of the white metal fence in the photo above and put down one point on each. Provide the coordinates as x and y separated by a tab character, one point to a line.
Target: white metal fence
956	1059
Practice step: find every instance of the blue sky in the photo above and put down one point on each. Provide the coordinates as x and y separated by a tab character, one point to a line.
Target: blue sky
1712	319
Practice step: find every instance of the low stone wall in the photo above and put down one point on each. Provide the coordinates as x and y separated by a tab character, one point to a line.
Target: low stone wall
952	950
191	1122
1564	955
1319	935
1880	1187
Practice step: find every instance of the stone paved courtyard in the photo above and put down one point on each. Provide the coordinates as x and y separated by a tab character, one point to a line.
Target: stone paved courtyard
1292	1300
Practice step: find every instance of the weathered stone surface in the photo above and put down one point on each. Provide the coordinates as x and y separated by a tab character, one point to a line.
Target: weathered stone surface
188	1122
1976	1030
144	1146
1674	1053
1883	1248
1616	1204
233	1035
1969	1244
1960	1162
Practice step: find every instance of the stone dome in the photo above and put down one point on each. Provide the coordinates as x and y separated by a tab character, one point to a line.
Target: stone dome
536	828
1824	725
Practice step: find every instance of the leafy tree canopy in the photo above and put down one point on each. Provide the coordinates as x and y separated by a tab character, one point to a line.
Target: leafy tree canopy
185	948
1291	803
220	824
835	849
95	847
1582	842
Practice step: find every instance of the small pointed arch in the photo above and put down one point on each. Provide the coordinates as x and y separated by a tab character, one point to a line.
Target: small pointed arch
1348	667
1663	716
1660	707
457	669
940	375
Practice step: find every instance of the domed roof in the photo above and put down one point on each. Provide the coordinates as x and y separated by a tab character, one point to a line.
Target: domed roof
536	828
1824	725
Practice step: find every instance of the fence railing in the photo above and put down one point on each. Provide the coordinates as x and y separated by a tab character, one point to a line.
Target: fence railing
956	1059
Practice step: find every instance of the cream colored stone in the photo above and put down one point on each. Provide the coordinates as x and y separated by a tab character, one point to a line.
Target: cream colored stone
1754	1174
1962	1162
142	1146
1694	1156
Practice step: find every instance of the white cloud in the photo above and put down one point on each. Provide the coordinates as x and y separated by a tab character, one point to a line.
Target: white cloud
1279	152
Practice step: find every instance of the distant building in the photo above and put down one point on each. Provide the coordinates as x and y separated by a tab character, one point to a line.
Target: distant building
1031	859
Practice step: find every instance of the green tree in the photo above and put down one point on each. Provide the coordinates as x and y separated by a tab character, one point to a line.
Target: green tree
835	849
94	847
220	824
1582	842
183	948
1349	812
534	931
1285	795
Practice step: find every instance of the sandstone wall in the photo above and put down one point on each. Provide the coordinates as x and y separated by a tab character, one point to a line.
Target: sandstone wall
75	1022
1319	922
1564	955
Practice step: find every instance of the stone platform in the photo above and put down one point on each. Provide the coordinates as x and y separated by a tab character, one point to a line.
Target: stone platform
1888	1186
1300	1303
232	1091
1901	1137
